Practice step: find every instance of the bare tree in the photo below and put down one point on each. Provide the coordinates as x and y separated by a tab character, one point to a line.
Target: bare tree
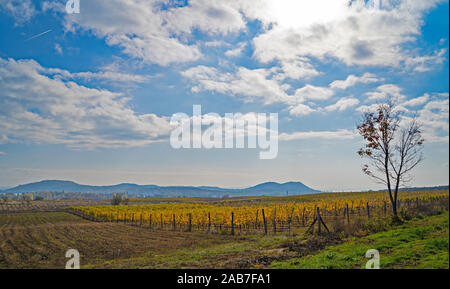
116	199
393	149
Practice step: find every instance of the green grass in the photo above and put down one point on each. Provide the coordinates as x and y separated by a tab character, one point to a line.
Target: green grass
419	243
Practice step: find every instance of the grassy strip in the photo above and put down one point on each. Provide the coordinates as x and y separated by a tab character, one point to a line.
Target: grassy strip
419	243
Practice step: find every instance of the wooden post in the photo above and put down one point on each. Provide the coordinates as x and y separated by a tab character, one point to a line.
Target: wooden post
274	221
173	222
150	221
256	220
190	223
319	220
162	221
368	210
290	221
140	224
232	223
265	223
348	213
335	211
209	221
385	208
303	217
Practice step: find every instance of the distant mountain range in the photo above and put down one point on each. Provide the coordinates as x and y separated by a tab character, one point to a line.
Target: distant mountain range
267	189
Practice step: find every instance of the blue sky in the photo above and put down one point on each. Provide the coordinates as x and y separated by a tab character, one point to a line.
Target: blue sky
89	100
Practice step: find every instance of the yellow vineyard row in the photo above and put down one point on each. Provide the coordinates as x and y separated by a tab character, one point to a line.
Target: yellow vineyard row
250	211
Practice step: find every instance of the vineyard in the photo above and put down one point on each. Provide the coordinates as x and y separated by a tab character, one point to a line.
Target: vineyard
267	215
43	206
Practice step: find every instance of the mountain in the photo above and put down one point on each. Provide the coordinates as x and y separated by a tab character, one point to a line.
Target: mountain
269	189
294	188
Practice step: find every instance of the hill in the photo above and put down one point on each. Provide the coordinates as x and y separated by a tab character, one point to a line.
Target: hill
269	189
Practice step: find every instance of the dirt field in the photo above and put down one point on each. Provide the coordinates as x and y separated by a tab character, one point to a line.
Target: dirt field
40	240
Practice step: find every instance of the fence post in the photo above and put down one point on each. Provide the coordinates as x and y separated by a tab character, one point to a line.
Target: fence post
190	223
174	222
348	213
209	222
232	223
256	220
319	220
274	221
141	221
385	208
303	217
265	223
150	221
162	226
368	210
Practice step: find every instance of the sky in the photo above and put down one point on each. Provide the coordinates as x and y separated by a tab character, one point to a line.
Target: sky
88	96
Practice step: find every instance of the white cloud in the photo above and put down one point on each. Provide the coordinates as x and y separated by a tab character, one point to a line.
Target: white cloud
251	85
110	73
339	134
298	69
313	93
355	34
256	85
111	76
367	108
427	62
352	80
211	16
58	49
386	91
21	10
343	104
141	28
35	107
417	101
435	119
235	52
300	110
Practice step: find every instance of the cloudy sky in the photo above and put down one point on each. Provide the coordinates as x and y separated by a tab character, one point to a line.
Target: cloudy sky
88	97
